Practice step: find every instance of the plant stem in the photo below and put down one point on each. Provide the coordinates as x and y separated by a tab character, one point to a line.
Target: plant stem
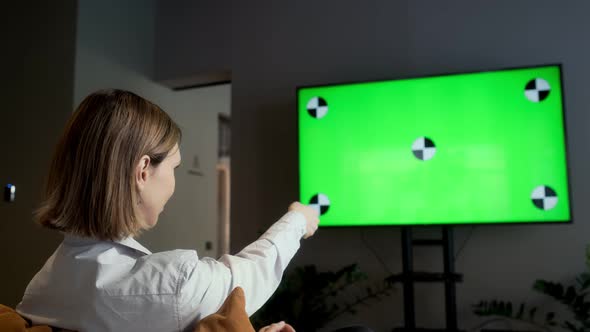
360	300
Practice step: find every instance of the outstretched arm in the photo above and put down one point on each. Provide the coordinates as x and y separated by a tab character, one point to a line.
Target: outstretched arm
258	268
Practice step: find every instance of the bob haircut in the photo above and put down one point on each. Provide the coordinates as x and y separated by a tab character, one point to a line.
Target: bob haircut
91	189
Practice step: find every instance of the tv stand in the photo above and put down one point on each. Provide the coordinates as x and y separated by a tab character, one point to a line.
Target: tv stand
408	277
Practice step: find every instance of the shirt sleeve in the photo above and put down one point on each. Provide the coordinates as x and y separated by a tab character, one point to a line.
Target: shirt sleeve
204	284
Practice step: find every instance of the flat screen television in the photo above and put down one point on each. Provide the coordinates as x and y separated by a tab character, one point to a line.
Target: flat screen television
469	148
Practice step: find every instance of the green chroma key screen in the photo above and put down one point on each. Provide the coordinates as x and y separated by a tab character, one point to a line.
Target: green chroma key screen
486	147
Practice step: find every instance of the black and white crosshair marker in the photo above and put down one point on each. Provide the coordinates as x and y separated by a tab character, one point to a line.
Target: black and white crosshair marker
317	107
423	148
537	90
544	197
320	202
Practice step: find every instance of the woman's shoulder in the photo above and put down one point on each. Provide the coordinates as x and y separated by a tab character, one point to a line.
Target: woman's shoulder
157	273
171	258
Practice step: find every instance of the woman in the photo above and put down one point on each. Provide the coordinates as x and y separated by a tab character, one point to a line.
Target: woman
111	175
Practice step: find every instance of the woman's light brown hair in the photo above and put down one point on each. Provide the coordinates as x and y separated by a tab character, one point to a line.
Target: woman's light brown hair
91	188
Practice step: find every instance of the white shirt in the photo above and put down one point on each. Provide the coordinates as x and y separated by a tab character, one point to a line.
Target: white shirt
90	285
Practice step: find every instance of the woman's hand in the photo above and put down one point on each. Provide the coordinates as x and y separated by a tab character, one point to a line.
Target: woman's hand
311	215
278	327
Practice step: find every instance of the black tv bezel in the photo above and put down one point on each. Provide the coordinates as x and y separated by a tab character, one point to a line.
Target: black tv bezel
491	223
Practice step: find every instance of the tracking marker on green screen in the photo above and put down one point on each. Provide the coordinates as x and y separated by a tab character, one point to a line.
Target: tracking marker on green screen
317	107
424	148
320	202
537	90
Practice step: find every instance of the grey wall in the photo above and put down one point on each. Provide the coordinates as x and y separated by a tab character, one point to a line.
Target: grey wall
211	33
37	60
277	46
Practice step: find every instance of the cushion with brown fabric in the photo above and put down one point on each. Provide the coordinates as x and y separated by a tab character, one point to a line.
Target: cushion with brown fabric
11	321
231	317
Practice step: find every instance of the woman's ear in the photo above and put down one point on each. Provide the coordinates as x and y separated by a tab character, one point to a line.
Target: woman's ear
142	172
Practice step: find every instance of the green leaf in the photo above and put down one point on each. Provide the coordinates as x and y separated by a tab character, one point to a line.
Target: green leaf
508	309
570	326
520	311
570	295
532	313
583	281
539	285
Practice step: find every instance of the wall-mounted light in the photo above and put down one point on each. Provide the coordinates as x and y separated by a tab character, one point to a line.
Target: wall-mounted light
9	193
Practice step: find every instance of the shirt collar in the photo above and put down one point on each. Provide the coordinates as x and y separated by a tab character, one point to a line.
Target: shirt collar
132	243
127	242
